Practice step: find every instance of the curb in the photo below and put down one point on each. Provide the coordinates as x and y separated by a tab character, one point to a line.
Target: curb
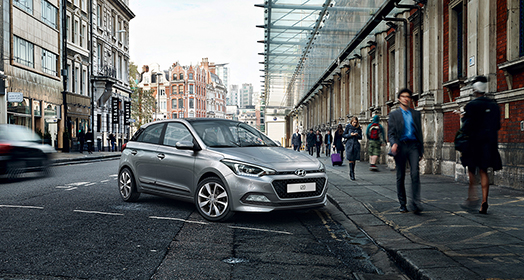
405	264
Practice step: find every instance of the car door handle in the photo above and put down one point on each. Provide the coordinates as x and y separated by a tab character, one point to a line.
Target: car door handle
161	156
133	152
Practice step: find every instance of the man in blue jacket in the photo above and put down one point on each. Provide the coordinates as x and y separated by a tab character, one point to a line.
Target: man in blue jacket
407	145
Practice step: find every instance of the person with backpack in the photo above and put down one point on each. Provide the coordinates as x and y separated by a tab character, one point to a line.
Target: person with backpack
375	134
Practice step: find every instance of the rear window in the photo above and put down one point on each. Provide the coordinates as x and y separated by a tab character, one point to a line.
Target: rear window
150	134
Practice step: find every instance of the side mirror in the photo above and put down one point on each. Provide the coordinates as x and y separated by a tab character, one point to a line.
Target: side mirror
185	145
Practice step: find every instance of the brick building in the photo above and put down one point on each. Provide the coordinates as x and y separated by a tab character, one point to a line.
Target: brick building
192	91
434	48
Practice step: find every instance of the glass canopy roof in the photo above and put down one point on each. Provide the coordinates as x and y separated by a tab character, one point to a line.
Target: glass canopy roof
306	40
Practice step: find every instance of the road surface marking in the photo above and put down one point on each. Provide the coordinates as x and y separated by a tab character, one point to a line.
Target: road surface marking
260	229
98	212
103	181
177	219
21	206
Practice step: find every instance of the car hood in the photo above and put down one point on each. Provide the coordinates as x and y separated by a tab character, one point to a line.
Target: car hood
278	158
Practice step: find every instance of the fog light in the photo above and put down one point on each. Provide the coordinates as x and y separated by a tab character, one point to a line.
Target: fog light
257	198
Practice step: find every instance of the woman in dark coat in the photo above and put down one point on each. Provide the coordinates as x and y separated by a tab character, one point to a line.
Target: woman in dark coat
337	141
481	123
353	133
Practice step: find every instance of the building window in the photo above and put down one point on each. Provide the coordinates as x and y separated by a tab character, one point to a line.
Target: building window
190	76
113	25
162	92
120	67
521	28
99	56
75	32
191	88
180	89
181	76
191	103
99	15
456	38
173	103
76	84
83	89
82	35
26	5
180	103
49	62
175	115
174	76
49	13
24	52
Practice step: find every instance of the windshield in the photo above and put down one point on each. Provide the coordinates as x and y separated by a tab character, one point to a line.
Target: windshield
230	134
18	133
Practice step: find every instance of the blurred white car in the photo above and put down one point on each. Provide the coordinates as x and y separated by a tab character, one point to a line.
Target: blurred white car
21	150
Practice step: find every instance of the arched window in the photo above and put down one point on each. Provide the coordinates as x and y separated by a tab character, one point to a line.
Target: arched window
174	76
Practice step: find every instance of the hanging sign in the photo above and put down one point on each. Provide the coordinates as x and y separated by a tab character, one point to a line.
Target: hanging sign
114	110
127	112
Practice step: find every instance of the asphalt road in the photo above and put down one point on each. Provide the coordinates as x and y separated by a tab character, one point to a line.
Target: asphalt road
74	225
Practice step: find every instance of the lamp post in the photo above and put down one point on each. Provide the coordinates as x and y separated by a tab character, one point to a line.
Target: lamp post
158	75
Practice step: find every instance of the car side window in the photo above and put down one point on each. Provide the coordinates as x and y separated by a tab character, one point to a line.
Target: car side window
176	132
151	134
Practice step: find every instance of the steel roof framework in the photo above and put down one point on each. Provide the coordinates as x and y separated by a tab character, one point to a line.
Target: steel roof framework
306	40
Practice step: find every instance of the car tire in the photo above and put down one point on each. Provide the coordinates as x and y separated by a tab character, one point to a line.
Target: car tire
127	185
15	169
213	200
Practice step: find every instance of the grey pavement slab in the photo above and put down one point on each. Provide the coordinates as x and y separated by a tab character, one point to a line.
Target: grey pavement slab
445	241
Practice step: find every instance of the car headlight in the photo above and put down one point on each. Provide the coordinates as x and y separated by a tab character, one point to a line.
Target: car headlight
322	167
246	169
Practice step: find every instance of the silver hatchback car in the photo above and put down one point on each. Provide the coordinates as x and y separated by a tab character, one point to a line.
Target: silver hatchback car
222	166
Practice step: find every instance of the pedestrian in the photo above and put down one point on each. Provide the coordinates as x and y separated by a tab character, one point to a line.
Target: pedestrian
407	145
376	137
318	142
112	140
310	141
337	141
296	141
480	123
81	140
352	133
90	141
328	140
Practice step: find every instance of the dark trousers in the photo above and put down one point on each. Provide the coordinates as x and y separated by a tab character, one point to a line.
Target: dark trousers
408	152
318	149
296	148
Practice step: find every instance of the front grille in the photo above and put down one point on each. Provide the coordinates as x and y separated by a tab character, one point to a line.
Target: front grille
293	172
280	187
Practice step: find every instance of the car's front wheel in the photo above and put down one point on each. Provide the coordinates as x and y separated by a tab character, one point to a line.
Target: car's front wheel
212	200
127	185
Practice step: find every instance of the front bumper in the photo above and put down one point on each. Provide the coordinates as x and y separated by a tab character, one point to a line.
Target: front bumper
274	188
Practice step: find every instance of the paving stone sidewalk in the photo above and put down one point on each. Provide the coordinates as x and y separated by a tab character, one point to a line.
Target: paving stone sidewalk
444	242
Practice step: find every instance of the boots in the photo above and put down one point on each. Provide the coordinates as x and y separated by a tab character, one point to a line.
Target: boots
352	170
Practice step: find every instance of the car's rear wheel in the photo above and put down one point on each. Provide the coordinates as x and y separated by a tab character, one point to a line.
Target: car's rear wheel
213	200
127	185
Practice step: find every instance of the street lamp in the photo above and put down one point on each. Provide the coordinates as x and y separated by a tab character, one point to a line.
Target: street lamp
157	94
